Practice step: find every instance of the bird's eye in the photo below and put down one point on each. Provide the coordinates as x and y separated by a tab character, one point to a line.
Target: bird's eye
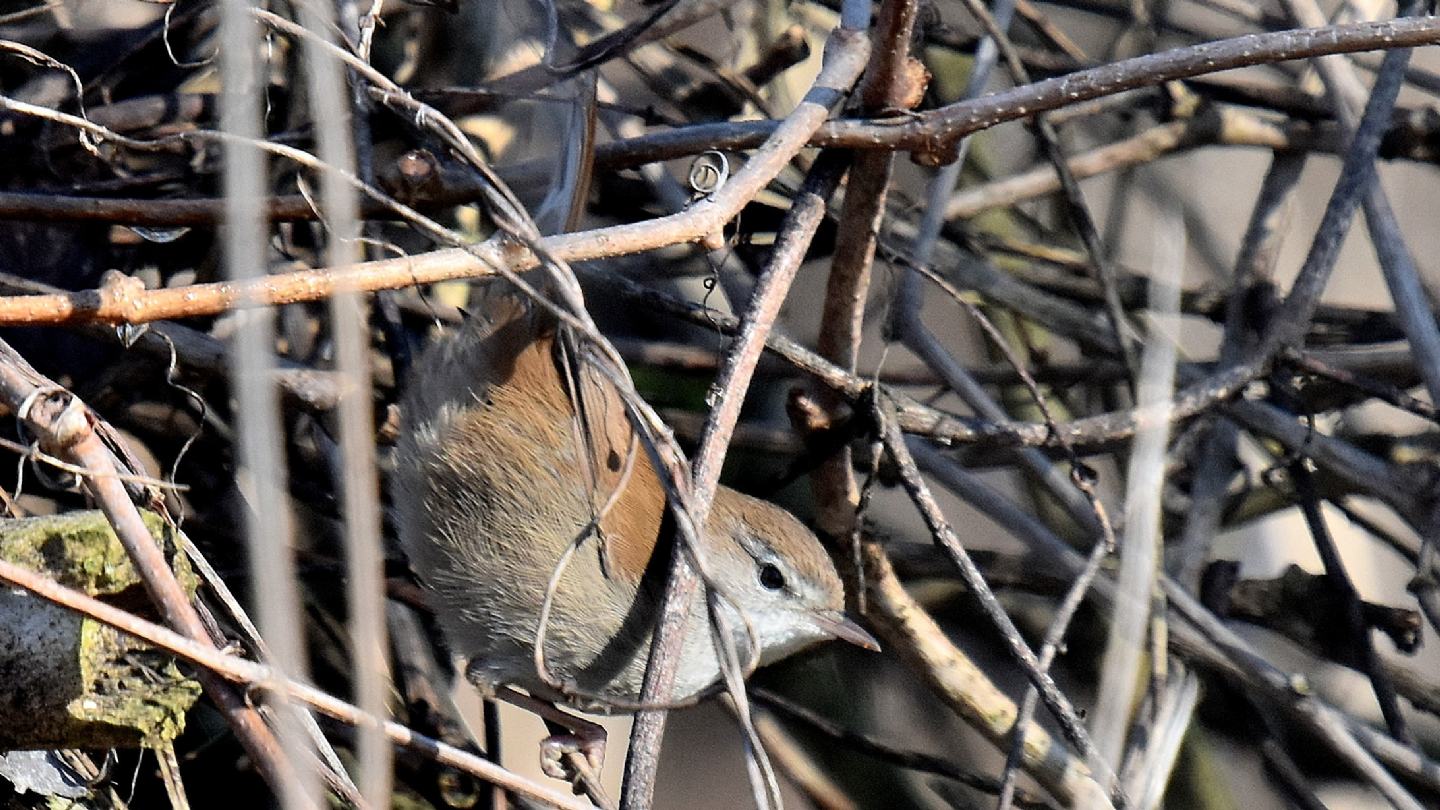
771	578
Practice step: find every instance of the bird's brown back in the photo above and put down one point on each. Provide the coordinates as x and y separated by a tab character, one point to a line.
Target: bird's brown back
515	374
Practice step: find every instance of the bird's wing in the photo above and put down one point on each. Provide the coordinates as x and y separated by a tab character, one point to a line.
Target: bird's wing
625	494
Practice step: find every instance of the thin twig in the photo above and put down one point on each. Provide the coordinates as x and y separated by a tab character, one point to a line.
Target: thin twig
359	485
880	750
1214	467
261	472
1054	637
841	70
959	683
945	537
1079	212
1133	620
1356	628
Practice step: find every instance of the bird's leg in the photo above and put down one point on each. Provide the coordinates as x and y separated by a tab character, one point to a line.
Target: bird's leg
575	749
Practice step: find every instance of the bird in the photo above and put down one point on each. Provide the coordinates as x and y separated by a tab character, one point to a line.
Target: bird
511	457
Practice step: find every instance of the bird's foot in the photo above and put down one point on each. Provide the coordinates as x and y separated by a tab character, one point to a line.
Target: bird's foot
577	758
573	758
575	749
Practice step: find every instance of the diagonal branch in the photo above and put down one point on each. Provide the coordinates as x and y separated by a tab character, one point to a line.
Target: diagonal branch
846	54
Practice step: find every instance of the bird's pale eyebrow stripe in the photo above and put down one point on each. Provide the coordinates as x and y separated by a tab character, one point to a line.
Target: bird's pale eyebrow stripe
757	548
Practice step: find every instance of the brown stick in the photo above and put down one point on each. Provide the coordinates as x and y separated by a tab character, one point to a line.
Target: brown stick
891	82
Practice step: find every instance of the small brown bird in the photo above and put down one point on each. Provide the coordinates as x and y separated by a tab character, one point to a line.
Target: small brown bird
494	484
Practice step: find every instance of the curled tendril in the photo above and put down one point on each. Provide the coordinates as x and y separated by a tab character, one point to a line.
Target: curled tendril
708	173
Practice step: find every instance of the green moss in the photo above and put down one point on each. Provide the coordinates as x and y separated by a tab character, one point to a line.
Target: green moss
103	689
80	550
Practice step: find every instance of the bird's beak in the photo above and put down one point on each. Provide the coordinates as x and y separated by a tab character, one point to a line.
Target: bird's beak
844	628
